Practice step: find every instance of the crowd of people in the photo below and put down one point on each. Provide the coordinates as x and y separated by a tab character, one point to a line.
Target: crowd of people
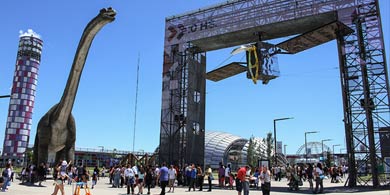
260	177
28	175
309	172
136	178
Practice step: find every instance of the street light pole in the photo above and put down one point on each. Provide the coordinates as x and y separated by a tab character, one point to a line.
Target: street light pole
285	151
307	132
7	96
322	145
278	119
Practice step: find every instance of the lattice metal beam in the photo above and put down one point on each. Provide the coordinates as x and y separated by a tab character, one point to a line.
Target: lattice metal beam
363	69
365	93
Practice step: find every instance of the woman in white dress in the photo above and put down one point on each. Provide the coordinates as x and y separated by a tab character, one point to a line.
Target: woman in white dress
319	177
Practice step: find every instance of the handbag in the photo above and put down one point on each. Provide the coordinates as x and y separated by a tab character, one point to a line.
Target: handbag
211	177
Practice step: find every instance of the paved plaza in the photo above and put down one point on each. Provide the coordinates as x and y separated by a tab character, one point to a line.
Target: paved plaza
278	188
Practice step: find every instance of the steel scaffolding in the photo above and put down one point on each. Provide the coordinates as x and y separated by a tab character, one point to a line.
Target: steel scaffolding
363	71
182	122
364	80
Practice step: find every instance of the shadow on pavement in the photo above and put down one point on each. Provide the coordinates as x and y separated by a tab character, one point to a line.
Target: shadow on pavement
31	185
337	189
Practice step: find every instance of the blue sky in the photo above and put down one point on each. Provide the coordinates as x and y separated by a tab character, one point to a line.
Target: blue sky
308	89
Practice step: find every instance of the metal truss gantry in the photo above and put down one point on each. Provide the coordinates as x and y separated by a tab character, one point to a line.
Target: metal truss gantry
365	88
363	72
182	124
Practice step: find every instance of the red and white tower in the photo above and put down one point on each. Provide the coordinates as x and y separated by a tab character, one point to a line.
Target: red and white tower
22	99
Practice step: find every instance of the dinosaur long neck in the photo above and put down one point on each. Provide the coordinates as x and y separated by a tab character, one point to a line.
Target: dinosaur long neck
64	108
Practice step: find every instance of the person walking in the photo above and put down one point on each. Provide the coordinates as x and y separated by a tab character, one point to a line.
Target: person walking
265	178
111	175
244	178
41	171
172	177
209	174
117	177
192	178
140	183
238	185
309	175
163	177
227	176
130	179
60	178
199	177
188	174
94	178
97	170
6	177
148	178
278	172
221	175
156	174
319	176
83	175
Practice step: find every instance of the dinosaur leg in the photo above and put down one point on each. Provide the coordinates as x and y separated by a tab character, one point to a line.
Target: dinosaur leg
42	154
60	155
40	149
70	142
36	151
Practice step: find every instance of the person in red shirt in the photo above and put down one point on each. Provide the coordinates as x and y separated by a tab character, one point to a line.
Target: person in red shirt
244	178
241	173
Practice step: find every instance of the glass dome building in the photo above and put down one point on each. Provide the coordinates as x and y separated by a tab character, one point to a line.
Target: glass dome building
228	149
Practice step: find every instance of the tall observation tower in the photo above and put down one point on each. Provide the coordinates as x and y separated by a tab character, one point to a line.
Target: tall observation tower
22	99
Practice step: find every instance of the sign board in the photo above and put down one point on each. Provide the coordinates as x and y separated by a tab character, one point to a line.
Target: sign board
387	165
263	163
384	138
279	146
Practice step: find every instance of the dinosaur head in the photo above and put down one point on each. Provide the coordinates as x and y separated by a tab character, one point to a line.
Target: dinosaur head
108	13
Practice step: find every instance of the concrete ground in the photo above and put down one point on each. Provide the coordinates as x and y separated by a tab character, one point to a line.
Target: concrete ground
278	188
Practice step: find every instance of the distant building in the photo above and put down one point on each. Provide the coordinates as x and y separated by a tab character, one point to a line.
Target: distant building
225	148
220	147
17	132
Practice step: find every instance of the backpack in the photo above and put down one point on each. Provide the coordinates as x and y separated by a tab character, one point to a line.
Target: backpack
63	168
80	171
5	173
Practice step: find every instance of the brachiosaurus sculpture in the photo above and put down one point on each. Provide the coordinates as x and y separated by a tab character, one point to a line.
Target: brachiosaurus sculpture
56	131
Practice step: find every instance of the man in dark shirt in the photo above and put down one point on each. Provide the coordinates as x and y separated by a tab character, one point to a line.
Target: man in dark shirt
41	171
192	177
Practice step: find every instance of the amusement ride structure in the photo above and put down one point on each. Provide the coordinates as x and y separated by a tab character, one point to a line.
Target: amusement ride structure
355	24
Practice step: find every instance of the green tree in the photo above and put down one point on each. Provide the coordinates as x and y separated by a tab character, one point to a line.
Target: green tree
114	153
328	158
260	152
29	157
251	153
269	142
